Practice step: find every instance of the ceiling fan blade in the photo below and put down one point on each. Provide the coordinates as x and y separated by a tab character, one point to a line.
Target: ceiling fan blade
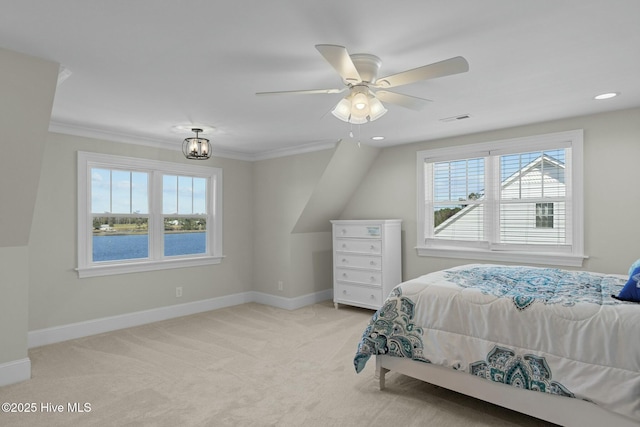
438	69
411	102
302	92
339	59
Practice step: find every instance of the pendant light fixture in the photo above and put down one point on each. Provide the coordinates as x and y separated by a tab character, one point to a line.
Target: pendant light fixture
196	148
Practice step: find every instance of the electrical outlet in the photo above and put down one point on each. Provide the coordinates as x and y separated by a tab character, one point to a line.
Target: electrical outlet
280	285
178	291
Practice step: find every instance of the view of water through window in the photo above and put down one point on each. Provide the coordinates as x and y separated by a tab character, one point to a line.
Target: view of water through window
134	246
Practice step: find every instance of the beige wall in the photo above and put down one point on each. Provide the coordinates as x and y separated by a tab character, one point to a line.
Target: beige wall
14	309
611	178
282	188
58	297
295	199
27	87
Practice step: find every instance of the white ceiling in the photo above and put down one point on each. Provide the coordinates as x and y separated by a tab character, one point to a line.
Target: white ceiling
141	67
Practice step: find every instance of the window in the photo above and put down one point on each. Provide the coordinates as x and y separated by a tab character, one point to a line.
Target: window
517	200
141	215
544	215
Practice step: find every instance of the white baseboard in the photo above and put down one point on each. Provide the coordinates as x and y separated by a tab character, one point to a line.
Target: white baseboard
70	331
15	371
292	303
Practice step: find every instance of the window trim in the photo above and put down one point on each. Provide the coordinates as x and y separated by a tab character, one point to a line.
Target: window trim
573	258
86	161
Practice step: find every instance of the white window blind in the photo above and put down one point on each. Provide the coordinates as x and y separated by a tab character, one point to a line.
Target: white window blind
458	199
532	184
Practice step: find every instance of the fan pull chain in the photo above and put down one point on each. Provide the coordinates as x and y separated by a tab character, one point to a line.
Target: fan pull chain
351	132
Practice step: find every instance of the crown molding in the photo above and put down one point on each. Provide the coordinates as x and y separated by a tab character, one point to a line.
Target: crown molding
76	130
298	149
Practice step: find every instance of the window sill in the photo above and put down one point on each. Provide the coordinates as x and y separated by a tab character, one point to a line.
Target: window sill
136	267
566	260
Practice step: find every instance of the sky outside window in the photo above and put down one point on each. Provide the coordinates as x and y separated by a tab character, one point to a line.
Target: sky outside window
184	195
119	191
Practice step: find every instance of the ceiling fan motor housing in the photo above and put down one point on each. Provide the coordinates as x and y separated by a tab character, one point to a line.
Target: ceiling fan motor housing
367	66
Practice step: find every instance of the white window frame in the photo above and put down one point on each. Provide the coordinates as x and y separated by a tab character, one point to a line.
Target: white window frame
568	255
157	260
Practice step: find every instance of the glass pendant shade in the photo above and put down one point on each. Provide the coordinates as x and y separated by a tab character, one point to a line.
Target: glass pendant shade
360	102
196	148
359	116
376	109
342	110
358	108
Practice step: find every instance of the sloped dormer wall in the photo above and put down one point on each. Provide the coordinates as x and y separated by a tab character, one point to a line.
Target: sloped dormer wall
342	176
296	197
28	86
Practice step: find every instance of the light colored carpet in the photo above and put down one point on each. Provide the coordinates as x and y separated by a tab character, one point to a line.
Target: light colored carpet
248	365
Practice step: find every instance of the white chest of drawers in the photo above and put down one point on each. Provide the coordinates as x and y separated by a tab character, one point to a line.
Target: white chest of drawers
366	261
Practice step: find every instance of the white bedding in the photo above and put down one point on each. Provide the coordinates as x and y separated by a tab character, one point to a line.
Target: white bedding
542	329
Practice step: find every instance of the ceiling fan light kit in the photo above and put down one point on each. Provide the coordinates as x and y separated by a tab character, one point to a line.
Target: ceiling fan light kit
359	73
360	106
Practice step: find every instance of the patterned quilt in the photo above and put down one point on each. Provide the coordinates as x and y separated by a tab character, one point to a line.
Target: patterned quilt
540	329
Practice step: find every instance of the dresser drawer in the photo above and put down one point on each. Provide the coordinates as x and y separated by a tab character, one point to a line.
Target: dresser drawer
372	231
361	246
364	277
358	261
358	295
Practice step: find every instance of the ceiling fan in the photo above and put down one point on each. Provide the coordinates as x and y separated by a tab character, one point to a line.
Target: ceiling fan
359	74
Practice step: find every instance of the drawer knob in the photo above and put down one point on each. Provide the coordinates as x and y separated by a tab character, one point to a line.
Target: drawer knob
372	263
344	231
344	274
372	247
344	292
373	296
344	245
373	278
344	260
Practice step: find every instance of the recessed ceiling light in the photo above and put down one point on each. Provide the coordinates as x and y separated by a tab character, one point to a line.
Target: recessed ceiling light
606	95
377	138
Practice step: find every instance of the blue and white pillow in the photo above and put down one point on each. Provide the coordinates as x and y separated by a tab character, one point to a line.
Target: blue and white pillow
631	290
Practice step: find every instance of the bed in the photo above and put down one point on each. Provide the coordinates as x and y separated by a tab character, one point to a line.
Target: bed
550	343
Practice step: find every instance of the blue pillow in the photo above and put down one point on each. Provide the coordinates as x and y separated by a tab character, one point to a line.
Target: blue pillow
634	266
631	290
